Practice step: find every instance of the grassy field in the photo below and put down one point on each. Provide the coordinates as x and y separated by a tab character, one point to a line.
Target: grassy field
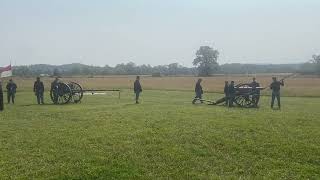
163	137
297	86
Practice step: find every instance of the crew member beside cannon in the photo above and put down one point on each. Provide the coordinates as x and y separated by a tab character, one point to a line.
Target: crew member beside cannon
198	90
275	87
256	96
231	94
38	89
54	90
225	90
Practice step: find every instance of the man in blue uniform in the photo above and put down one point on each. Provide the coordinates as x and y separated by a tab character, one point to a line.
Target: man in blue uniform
231	94
54	89
275	87
137	88
256	97
38	89
198	90
226	87
1	97
11	91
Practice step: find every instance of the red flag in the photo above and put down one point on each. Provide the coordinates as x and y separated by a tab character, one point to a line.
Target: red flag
6	71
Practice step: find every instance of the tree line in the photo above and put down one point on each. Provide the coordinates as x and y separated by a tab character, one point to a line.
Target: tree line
173	69
205	64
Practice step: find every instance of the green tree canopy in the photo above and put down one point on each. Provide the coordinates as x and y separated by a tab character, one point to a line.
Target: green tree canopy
206	60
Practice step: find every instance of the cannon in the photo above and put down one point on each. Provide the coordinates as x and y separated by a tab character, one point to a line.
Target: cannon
71	92
245	96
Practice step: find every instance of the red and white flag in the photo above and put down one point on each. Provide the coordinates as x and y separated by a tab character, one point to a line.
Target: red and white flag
6	71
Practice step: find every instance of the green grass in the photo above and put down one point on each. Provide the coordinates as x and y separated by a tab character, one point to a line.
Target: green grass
163	137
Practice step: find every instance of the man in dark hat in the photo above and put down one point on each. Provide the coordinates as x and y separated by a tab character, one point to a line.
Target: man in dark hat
11	91
275	87
38	89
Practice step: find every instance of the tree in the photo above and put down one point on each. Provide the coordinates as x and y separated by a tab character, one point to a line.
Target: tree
206	60
56	72
316	61
173	68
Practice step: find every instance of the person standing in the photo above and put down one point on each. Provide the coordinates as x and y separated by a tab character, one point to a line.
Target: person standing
54	89
11	91
1	97
198	90
275	87
226	84
231	94
254	85
38	89
137	88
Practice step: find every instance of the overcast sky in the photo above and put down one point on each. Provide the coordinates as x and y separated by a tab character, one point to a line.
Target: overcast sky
100	32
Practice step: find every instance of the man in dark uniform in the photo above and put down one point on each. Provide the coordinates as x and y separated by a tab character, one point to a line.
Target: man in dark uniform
11	91
54	90
275	86
137	88
256	97
226	84
198	90
1	97
231	94
38	89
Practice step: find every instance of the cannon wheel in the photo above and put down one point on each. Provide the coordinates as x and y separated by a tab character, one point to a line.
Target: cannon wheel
243	98
77	92
61	94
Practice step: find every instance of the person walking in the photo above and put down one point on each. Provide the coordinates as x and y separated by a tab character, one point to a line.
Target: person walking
11	91
198	90
275	87
38	89
137	88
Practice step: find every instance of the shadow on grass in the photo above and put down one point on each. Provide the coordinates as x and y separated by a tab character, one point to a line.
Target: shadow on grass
29	105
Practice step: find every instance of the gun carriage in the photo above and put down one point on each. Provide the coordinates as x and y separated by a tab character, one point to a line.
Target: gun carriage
245	96
71	92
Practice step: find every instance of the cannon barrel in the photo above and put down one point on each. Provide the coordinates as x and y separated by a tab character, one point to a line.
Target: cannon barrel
64	93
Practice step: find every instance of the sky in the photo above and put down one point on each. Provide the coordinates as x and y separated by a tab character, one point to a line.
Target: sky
157	32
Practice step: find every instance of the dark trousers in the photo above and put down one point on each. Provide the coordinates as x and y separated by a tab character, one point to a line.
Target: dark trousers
256	99
1	100
230	100
137	96
39	97
198	96
55	96
226	95
11	97
274	96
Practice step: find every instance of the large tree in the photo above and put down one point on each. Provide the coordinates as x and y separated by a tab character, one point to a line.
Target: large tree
316	61
206	60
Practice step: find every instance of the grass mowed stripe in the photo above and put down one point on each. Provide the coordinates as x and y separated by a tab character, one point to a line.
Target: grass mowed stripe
164	136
